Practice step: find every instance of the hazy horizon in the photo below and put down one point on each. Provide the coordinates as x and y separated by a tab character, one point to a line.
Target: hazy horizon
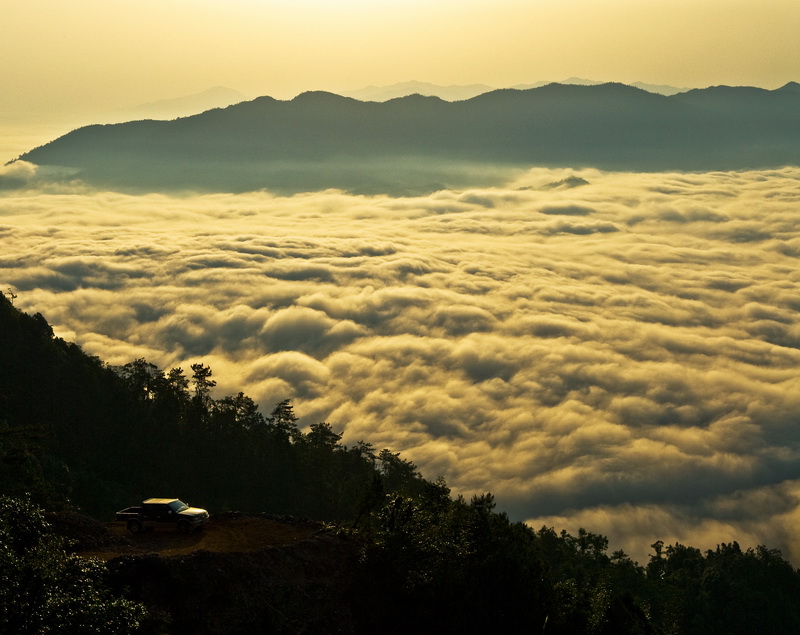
89	56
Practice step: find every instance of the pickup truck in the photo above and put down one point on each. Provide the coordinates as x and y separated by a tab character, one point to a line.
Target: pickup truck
162	511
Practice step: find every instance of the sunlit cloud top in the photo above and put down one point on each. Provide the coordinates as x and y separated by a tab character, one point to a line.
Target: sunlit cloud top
614	351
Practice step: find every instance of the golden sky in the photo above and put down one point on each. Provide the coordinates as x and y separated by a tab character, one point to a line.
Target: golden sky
90	55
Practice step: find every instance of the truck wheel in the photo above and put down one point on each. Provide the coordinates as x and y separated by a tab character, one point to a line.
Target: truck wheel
134	526
183	526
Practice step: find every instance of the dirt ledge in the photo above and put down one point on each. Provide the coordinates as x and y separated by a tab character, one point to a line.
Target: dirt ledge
231	532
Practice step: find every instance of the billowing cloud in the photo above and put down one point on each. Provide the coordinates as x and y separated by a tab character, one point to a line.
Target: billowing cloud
22	175
17	175
620	355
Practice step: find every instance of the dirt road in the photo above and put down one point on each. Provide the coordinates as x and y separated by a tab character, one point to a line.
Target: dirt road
228	533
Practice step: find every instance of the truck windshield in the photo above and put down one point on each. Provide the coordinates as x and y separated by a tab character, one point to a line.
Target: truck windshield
178	506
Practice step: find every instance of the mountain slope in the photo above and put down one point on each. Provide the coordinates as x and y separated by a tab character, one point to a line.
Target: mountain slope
320	139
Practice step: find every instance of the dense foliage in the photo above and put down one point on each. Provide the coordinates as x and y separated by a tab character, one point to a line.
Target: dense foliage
77	433
461	567
43	589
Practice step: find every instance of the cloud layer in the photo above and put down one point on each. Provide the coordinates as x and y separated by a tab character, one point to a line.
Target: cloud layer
620	355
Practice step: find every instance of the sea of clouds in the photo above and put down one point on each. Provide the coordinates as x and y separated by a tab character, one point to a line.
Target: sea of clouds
620	355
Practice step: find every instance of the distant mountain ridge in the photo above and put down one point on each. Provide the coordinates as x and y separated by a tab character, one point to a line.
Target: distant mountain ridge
320	139
661	89
403	89
461	92
215	97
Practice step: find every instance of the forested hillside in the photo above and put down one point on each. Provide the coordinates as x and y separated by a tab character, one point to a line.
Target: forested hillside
75	433
81	433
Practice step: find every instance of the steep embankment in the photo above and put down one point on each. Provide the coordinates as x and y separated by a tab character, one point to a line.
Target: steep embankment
239	573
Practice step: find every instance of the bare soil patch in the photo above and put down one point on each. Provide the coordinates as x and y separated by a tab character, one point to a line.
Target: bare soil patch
221	534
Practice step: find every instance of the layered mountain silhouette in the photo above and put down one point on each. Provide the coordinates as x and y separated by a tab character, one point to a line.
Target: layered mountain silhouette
417	143
215	97
403	89
460	92
662	89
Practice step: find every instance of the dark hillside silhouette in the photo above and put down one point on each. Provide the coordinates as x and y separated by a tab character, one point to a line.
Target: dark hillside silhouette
417	143
74	431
